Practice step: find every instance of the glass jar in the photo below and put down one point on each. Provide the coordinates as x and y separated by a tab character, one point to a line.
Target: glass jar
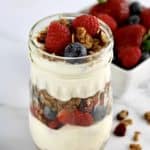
71	98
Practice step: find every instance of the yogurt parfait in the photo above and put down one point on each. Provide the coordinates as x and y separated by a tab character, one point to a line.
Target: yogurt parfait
71	99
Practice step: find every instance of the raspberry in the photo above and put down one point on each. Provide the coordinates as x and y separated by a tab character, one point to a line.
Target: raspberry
120	130
118	9
108	20
131	35
75	117
89	22
66	117
55	124
129	56
145	18
58	37
83	119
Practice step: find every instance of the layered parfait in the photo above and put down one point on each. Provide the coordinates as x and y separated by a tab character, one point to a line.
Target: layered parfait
71	99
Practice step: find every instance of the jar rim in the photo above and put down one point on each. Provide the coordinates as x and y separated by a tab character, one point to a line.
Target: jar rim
103	26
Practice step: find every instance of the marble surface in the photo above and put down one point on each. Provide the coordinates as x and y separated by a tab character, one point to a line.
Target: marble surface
16	19
15	135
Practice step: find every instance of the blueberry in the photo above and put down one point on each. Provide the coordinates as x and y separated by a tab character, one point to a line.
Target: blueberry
135	8
75	50
99	112
145	55
49	113
133	19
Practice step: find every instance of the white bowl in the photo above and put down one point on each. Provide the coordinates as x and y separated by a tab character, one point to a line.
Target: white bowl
122	79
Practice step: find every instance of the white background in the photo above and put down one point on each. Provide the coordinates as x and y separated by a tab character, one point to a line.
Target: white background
16	19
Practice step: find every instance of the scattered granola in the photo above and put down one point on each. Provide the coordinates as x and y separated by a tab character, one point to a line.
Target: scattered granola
135	147
136	136
122	115
147	117
127	122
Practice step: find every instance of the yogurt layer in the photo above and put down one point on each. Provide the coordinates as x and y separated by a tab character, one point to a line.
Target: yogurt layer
70	137
65	81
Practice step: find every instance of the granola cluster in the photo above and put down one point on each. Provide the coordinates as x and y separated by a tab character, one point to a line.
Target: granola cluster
147	117
135	147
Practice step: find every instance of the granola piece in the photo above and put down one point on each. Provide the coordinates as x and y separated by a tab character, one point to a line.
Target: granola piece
80	34
136	136
88	41
135	147
104	37
96	45
147	117
42	36
122	115
84	38
127	122
64	21
73	38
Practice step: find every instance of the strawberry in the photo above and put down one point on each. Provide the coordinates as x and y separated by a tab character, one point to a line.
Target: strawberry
118	9
89	22
58	37
108	20
75	117
145	17
129	56
131	35
55	124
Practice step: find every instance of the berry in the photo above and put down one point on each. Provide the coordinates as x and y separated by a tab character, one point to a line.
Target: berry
131	35
99	112
145	18
129	56
118	9
58	37
108	20
66	117
83	119
145	55
135	8
55	124
133	19
89	22
75	117
120	130
49	113
75	50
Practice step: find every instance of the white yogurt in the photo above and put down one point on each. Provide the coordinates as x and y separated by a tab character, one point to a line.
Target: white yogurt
65	81
70	137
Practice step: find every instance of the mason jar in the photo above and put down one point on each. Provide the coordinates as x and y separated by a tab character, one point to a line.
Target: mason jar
71	98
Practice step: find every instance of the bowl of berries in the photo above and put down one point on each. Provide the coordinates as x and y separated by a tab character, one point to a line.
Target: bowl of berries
130	25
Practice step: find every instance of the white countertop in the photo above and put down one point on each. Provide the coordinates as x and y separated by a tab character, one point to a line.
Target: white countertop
15	135
16	19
